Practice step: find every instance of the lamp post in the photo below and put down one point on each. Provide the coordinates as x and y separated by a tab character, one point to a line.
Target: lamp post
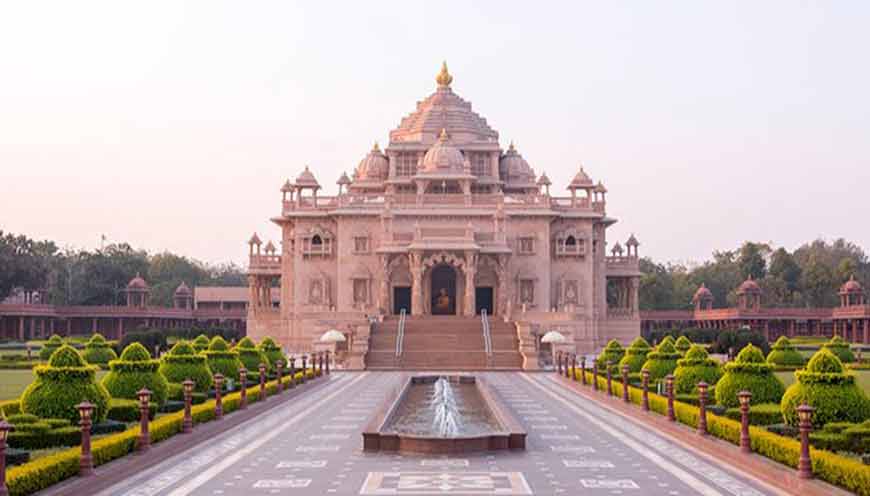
262	382
702	408
86	459
669	387
218	386
609	365
644	375
327	362
744	397
625	383
805	417
187	424
144	436
304	369
5	427
293	372
573	362
243	393
320	356
583	370
279	368
559	362
595	374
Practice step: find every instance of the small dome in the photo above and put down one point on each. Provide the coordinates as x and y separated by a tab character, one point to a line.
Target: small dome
307	180
702	293
270	247
182	289
749	286
544	180
443	157
255	240
632	241
851	286
581	180
514	168
343	180
287	187
599	188
137	283
374	167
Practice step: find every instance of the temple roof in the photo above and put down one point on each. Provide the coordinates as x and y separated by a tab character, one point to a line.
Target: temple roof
749	286
702	293
443	157
182	290
581	180
137	283
514	169
851	286
307	180
374	167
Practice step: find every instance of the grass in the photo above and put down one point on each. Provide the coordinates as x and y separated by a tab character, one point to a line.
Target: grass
13	382
862	379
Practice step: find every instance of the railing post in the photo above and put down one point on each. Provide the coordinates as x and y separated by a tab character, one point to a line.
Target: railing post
583	370
292	372
669	387
805	418
625	383
262	382
187	424
243	393
745	442
86	459
644	374
320	360
595	374
144	441
702	408
327	362
5	427
304	368
609	378
279	367
573	374
218	386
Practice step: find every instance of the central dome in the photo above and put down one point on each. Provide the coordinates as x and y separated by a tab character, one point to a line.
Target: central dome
443	157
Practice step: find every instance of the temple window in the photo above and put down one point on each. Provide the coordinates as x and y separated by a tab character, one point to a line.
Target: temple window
526	245
317	245
360	292
360	244
527	291
316	240
480	163
406	164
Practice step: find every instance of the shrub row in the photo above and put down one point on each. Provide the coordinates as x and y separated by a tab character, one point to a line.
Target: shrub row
46	471
841	471
759	414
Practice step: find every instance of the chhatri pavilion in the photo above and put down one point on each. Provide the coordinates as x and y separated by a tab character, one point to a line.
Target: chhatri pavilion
444	225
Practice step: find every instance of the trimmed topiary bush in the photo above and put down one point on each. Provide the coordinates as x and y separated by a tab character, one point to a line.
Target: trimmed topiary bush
613	352
682	345
635	355
250	356
201	343
133	371
784	354
695	367
826	386
182	363
98	352
125	410
749	372
272	352
221	359
65	382
760	414
50	346
841	348
667	339
661	361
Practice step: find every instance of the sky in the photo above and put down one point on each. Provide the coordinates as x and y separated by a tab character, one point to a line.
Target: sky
172	125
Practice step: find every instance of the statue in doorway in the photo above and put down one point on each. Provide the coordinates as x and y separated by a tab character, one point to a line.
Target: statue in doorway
442	303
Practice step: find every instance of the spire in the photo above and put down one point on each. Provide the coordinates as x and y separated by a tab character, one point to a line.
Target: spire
512	148
444	78
376	148
443	136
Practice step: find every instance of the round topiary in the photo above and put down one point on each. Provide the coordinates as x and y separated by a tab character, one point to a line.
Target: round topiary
784	354
661	361
826	386
682	345
201	343
612	353
98	352
65	382
694	367
250	356
50	346
133	371
749	372
667	339
841	348
635	355
221	359
272	352
182	363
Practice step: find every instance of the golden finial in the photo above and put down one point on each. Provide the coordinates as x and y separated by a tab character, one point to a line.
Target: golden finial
443	135
512	148
444	78
376	148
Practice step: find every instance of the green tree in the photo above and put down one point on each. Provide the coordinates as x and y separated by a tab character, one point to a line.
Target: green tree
752	260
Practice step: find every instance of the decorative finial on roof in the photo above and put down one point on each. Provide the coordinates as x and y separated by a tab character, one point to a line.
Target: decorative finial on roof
376	148
444	78
443	136
512	148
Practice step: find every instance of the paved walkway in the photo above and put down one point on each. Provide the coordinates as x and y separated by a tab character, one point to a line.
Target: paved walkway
314	447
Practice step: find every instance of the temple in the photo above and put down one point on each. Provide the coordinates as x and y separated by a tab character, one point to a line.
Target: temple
444	231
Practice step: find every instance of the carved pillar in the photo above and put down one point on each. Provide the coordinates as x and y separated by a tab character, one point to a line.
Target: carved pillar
470	271
415	262
384	294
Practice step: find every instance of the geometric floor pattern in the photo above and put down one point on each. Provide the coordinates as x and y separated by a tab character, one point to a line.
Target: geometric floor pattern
314	447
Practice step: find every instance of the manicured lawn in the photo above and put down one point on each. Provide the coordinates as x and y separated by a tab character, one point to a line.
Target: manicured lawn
862	379
13	382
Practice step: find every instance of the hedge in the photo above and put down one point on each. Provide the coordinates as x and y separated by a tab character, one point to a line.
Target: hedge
48	470
635	355
10	407
132	372
272	352
697	366
682	345
201	343
250	356
50	346
98	352
221	359
182	363
759	414
749	372
841	471
124	410
662	361
841	348
784	354
612	353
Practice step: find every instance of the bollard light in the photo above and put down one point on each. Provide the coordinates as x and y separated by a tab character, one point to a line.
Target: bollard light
187	424
609	365
583	370
805	424
293	372
144	436
218	386
559	362
327	362
304	369
625	383
262	382
243	393
86	459
279	369
595	374
745	443
702	408
669	387
644	375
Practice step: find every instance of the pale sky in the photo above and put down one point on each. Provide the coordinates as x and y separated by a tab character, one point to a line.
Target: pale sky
172	125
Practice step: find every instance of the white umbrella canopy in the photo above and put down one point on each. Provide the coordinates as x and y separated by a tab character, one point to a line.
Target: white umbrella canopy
553	337
332	336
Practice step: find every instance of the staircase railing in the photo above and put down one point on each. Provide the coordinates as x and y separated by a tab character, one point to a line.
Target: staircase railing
487	337
400	335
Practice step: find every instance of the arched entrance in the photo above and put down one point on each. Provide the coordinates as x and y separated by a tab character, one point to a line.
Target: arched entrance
443	290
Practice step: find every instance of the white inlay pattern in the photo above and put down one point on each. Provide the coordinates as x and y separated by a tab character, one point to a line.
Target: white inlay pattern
339	427
301	464
573	449
329	437
560	437
587	463
549	427
444	462
281	483
495	483
315	449
609	483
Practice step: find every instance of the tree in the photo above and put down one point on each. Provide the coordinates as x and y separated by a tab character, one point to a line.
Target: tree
752	260
24	263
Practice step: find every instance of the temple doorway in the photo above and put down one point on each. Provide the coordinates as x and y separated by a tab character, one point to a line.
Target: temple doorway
483	300
401	299
443	290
